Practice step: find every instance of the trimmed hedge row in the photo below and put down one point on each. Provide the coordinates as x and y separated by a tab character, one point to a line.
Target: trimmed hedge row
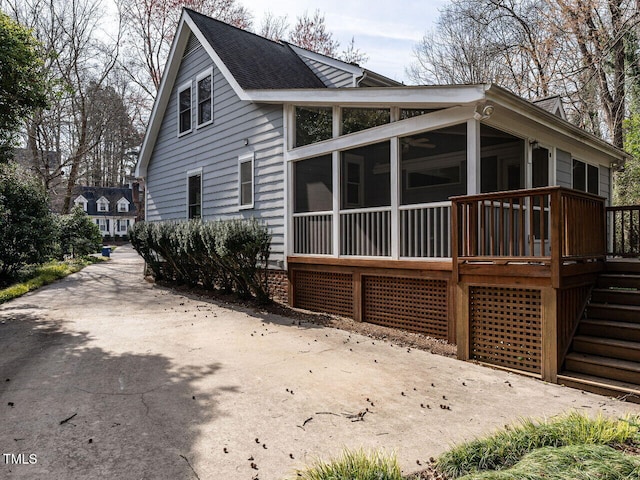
228	255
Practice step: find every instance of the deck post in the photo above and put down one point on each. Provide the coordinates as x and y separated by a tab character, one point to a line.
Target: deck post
557	235
549	311
357	296
462	320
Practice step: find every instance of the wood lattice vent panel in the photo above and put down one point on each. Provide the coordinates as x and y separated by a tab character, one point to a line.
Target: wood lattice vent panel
505	327
413	304
324	292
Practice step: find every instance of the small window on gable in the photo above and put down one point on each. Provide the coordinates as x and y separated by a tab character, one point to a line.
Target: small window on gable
204	98
245	181
184	109
194	194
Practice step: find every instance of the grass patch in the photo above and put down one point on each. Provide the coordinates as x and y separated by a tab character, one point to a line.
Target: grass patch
507	447
574	462
354	465
34	277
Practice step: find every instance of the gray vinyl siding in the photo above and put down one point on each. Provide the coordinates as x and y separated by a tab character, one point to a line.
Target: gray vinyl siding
564	162
215	148
332	77
564	166
605	183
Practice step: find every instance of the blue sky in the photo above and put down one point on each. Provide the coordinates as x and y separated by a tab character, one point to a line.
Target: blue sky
385	30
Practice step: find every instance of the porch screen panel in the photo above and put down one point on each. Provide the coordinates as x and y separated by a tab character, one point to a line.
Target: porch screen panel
313	124
505	327
365	201
313	205
502	164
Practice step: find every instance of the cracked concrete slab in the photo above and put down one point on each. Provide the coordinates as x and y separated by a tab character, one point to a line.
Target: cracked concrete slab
165	385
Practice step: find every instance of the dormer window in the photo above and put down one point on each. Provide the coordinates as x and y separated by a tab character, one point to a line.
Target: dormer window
82	202
103	204
123	205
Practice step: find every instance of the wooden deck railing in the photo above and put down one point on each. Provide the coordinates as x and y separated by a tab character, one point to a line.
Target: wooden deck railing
550	226
623	225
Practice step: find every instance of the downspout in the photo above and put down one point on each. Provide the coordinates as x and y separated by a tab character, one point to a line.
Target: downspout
360	79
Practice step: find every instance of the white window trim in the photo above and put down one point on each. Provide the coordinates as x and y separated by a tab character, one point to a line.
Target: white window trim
102	201
181	89
80	200
193	173
250	157
206	73
121	202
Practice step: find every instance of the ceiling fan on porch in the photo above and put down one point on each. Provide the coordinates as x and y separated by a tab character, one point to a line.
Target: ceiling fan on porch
418	142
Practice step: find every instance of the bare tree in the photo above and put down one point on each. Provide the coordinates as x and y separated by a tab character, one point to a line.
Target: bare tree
311	33
274	28
352	54
150	26
575	48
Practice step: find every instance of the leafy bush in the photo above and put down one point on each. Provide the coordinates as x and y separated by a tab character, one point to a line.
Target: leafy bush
506	447
357	465
228	255
78	235
27	228
574	462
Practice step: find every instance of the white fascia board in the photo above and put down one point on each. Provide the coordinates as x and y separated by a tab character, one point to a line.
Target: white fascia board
410	126
427	96
162	99
333	62
540	115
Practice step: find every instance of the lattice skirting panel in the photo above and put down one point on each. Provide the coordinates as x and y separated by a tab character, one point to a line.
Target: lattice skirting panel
413	304
506	327
329	292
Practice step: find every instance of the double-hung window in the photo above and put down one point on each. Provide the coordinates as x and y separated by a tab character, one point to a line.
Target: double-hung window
245	180
586	177
194	194
204	100
184	109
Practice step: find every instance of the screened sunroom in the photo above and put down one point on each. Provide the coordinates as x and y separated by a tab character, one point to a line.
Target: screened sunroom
377	182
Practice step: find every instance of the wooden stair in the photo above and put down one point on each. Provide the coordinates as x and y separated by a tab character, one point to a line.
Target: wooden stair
604	356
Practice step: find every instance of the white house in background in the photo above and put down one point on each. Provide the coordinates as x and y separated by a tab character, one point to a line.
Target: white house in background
463	211
112	208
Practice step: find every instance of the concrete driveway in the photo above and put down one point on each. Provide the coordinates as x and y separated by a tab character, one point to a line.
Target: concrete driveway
103	375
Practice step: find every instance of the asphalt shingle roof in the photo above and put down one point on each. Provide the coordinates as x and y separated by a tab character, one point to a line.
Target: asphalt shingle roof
254	61
113	194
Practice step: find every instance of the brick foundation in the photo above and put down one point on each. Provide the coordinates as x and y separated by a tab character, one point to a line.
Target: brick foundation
278	285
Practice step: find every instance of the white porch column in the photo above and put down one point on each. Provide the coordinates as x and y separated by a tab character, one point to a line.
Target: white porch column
473	156
335	164
395	198
335	219
287	115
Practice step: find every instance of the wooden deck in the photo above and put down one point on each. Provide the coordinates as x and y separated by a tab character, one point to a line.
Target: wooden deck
523	267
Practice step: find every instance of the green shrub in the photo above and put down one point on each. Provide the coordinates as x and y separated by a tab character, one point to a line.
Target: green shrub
506	447
228	255
78	235
27	228
355	465
574	462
